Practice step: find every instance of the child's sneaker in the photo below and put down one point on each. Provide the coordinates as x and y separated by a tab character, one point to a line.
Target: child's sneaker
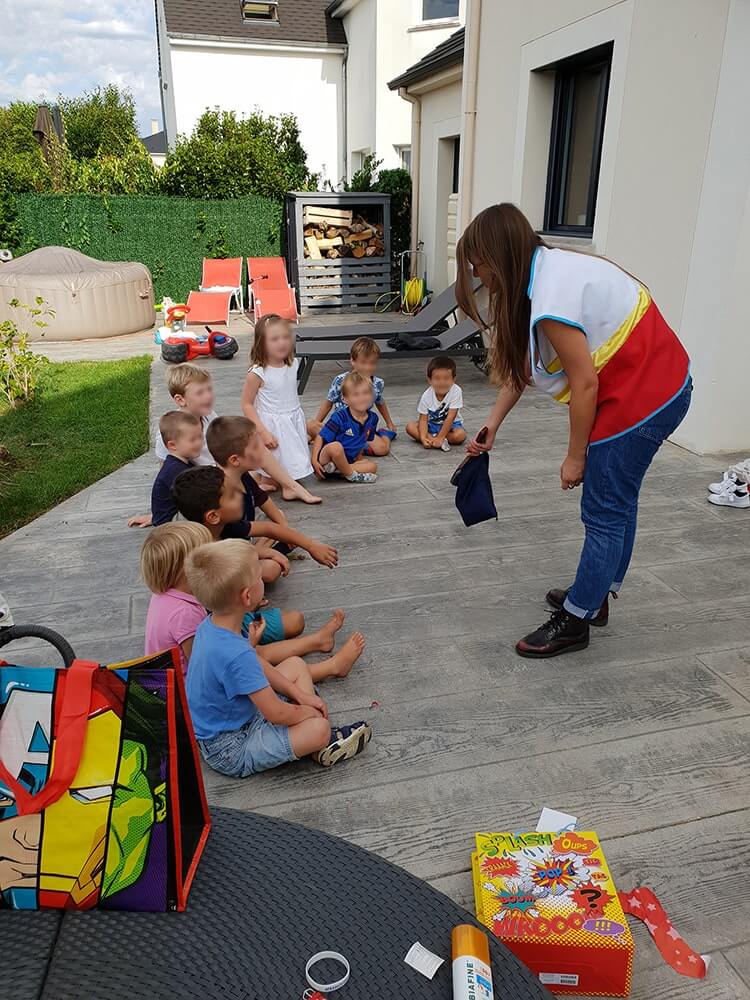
733	495
445	446
719	487
362	477
346	742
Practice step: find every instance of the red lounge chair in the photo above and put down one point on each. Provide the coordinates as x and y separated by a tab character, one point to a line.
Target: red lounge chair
224	275
208	308
270	289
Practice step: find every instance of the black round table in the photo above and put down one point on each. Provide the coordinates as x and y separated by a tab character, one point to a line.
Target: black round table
268	895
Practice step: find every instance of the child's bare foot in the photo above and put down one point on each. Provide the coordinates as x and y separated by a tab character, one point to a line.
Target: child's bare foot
300	494
268	484
342	662
326	635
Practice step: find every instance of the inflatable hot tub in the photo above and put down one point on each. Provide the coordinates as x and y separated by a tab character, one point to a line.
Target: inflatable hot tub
91	298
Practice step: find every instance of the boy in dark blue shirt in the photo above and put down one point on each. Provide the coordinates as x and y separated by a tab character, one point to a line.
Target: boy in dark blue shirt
340	445
182	434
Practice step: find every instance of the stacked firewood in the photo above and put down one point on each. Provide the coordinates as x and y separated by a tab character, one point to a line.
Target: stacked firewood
332	233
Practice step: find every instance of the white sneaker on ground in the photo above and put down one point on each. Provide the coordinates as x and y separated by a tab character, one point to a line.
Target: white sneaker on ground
741	471
729	478
445	446
733	495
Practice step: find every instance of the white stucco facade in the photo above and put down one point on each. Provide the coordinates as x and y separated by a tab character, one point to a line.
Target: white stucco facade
673	203
384	38
307	81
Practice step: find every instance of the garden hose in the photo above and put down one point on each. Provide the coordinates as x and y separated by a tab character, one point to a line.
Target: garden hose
414	293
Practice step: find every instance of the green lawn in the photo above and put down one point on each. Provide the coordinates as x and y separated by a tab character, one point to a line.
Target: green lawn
87	419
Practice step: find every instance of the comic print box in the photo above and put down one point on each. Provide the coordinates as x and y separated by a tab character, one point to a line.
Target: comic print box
551	900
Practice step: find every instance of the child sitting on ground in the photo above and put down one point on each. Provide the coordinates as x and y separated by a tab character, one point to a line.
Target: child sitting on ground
343	439
182	434
270	399
439	424
210	497
363	358
174	614
249	716
192	389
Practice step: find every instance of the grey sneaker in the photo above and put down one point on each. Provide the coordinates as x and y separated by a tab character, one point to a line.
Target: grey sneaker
362	477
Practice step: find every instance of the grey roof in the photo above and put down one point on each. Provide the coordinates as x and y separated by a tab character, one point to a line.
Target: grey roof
155	143
448	53
301	22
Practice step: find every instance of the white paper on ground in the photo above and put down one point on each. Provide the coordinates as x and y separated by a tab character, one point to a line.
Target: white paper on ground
424	961
552	821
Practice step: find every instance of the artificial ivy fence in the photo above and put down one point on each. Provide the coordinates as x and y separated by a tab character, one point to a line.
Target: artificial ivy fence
170	235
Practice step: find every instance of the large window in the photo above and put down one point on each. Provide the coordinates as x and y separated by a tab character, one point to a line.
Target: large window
433	10
580	105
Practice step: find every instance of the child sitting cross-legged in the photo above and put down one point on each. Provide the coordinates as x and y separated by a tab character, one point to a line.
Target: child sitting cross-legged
249	716
174	613
217	500
439	423
341	444
182	434
363	358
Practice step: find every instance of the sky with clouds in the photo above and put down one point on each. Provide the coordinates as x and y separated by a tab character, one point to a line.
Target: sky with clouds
58	47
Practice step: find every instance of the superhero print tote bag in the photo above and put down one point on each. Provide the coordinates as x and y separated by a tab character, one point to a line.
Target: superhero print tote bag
101	794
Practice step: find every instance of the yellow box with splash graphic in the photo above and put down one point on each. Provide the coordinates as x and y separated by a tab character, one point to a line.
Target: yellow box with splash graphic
551	900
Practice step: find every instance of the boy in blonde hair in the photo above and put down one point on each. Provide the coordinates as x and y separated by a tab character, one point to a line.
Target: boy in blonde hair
192	390
249	716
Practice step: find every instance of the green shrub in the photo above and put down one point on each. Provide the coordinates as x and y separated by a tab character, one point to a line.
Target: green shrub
397	183
171	236
19	366
11	232
99	123
227	157
22	166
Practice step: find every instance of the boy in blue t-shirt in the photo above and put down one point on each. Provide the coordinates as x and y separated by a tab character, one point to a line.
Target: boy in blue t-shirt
249	716
341	444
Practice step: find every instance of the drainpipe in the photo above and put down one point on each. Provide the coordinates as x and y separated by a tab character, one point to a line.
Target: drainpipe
416	162
345	112
471	86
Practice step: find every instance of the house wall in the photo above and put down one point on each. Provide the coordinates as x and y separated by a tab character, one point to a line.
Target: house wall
242	78
440	113
672	204
385	37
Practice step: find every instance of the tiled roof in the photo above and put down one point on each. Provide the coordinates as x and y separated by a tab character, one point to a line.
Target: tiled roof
300	22
448	53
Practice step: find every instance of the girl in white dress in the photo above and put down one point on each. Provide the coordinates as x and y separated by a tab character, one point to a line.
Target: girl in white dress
270	399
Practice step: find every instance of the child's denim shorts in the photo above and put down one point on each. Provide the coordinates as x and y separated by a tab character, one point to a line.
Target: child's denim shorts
258	746
435	426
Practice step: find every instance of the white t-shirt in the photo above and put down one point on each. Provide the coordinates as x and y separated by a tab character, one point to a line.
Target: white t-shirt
205	457
437	409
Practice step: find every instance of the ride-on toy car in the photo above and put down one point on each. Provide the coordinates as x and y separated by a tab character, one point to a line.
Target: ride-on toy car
186	346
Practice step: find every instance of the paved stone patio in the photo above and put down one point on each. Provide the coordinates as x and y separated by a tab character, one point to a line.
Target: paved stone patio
644	736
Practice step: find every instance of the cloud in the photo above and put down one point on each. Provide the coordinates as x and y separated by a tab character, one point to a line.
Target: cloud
48	49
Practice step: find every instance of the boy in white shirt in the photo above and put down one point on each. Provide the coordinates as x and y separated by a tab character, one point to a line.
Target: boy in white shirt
439	424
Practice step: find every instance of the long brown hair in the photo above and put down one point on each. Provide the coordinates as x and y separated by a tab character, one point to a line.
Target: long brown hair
503	240
258	353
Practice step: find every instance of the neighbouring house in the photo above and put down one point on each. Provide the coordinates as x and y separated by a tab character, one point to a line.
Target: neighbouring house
618	127
327	62
384	37
156	144
433	87
277	56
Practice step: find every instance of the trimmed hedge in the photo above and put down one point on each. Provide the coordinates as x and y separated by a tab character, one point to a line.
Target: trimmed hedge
171	236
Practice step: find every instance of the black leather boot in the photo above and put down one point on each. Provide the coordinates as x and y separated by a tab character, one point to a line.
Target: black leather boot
563	633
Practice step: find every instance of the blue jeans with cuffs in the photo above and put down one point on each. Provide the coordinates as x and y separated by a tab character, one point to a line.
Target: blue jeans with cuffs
609	505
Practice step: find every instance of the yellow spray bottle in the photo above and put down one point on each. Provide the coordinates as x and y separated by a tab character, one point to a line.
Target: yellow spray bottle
472	975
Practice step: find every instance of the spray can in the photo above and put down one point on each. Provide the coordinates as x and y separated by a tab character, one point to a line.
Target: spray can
472	975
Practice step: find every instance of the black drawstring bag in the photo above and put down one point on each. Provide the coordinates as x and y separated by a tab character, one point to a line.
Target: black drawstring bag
474	498
409	342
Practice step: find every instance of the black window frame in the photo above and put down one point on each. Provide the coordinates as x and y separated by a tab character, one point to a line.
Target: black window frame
456	165
563	110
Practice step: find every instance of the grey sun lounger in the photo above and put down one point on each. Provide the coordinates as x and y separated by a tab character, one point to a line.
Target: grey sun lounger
461	341
437	311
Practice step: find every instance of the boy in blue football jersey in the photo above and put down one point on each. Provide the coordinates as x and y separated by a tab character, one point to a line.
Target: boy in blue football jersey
342	441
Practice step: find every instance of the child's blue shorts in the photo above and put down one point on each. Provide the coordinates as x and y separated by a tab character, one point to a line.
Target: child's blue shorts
274	630
258	746
435	426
